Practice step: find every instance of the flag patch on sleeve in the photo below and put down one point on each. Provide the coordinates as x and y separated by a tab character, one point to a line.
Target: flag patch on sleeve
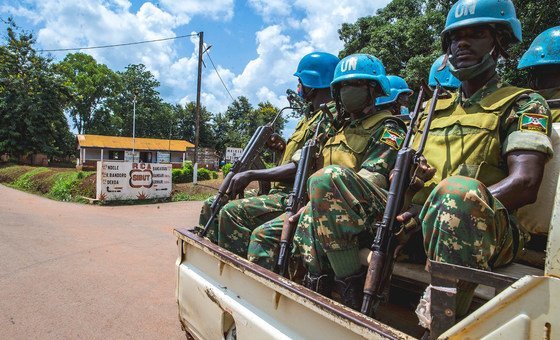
533	122
392	138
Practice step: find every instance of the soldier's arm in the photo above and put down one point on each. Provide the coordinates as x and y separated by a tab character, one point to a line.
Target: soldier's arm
521	186
240	181
380	159
526	149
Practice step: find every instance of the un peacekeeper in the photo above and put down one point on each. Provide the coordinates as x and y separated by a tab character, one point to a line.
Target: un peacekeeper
347	195
398	100
439	72
542	60
487	143
239	218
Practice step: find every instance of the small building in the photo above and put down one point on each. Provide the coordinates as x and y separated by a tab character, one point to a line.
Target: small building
207	158
93	148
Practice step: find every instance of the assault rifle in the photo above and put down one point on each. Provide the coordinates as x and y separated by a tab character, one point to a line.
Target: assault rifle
298	196
297	103
249	156
381	263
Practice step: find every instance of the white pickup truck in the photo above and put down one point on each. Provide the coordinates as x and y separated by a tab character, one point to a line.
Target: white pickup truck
221	295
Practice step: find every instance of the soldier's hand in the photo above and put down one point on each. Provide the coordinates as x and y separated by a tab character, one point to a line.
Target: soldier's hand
276	143
410	215
423	173
295	217
238	184
410	224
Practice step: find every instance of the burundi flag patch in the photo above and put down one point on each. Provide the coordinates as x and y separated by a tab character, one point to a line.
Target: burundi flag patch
534	122
392	138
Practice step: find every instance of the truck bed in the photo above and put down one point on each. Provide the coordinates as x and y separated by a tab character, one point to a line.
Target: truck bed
219	289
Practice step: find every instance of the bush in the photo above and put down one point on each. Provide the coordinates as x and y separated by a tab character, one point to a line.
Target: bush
226	168
65	185
204	174
214	174
181	175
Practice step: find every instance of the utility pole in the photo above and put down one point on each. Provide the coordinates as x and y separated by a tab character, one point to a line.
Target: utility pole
198	90
197	119
134	124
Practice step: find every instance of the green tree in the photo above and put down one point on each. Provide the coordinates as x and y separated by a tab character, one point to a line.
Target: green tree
405	35
138	83
90	84
186	123
235	127
32	100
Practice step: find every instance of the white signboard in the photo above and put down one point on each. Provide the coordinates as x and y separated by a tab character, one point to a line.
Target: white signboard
163	157
132	181
233	154
128	156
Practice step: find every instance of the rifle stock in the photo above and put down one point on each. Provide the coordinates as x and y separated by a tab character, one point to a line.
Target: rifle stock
381	264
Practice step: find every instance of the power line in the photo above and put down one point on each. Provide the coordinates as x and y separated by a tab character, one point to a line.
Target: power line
118	45
218	73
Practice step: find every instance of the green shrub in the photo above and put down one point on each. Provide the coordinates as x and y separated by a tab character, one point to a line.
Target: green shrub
204	174
181	175
214	174
64	185
226	168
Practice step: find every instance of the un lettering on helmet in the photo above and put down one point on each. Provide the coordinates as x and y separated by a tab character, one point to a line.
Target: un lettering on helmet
463	9
349	64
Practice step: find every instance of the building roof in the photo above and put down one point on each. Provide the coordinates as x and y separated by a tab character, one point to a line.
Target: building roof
149	144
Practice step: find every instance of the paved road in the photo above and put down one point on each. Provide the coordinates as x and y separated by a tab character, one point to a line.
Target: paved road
81	271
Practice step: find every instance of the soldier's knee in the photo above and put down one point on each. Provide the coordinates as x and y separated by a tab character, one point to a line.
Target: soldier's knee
456	187
327	174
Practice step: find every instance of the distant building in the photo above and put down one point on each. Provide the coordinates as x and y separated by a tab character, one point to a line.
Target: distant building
93	148
207	158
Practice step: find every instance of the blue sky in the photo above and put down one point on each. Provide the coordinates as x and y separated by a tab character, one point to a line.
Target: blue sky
256	44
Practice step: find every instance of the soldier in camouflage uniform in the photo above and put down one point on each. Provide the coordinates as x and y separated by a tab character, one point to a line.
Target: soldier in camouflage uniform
239	218
488	144
348	194
542	61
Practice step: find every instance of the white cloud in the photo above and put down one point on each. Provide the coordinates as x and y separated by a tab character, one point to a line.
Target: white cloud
293	29
271	9
184	10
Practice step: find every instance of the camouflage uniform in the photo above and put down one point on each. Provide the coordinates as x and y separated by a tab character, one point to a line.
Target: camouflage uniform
239	218
554	108
468	143
357	161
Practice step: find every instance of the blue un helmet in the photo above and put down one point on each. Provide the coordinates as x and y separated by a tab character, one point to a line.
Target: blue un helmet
315	70
544	50
445	78
466	13
398	86
361	67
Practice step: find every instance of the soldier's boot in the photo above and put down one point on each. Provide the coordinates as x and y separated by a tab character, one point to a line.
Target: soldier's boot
322	283
350	290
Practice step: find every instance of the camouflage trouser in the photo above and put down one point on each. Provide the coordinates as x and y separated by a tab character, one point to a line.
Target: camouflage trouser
464	224
264	244
239	218
338	220
205	214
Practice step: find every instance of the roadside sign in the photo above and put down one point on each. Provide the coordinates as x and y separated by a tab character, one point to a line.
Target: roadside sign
131	181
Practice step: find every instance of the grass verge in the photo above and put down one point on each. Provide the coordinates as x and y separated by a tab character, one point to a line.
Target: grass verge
69	185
